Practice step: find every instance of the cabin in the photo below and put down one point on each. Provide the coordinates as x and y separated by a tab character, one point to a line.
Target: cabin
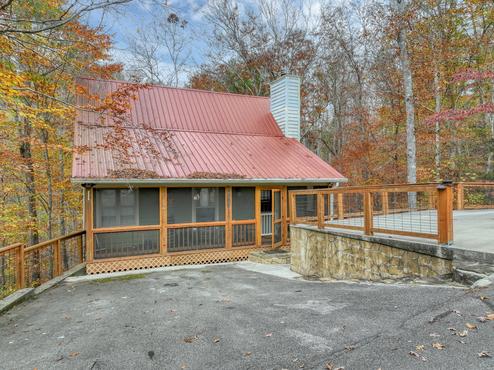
207	180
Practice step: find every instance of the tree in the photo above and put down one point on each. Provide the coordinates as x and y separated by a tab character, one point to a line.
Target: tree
43	47
160	50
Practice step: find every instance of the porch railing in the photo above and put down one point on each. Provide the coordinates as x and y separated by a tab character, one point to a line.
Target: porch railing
22	266
266	223
474	195
413	210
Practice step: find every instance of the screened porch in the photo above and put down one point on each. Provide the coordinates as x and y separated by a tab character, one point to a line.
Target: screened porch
126	222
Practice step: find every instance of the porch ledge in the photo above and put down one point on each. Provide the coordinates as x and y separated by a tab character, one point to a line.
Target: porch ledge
430	249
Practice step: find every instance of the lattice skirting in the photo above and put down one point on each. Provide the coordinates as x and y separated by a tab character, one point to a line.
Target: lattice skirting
139	263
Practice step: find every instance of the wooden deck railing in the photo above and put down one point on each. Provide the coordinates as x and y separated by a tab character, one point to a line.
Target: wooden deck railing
414	210
22	266
474	195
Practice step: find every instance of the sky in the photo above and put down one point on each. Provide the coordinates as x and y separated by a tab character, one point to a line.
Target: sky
124	21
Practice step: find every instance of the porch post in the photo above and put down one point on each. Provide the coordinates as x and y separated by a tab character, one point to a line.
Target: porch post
163	220
284	214
258	216
228	218
88	206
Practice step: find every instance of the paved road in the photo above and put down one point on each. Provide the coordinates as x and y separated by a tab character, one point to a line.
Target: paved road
227	317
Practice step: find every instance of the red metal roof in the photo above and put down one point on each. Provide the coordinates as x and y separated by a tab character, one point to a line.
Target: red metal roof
212	135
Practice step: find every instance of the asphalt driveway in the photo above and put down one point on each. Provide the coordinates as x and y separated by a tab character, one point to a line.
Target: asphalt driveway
230	317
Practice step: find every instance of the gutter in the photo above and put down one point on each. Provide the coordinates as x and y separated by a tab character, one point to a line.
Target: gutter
175	181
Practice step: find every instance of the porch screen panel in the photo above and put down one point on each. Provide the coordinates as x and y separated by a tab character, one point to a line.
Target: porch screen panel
126	207
243	203
288	197
124	244
191	205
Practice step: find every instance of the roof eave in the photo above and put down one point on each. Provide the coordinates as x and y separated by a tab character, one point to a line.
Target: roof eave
182	181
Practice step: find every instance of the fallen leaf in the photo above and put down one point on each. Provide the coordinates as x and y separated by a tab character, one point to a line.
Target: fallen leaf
483	298
452	329
484	354
74	354
434	335
463	333
471	326
415	354
247	354
190	339
438	345
420	347
269	334
216	339
184	366
349	348
489	316
330	366
457	312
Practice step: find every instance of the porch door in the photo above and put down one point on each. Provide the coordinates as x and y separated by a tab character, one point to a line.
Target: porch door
277	220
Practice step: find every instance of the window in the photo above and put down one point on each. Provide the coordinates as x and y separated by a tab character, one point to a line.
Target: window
190	205
126	207
243	203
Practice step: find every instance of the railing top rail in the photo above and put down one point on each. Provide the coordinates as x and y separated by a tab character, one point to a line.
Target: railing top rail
53	241
10	247
371	188
479	183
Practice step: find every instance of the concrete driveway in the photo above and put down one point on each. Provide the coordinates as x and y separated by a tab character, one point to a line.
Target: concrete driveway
230	317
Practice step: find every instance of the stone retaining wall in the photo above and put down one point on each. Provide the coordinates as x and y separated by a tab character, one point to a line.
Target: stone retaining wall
333	255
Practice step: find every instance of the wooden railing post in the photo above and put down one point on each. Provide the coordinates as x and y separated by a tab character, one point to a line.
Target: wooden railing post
21	283
320	210
445	213
58	258
293	209
460	196
81	247
368	224
385	202
339	205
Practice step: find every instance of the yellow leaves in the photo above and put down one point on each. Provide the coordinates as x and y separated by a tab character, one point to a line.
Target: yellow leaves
419	347
438	346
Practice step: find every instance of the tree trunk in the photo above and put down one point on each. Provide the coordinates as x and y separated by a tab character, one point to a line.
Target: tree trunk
49	180
26	154
437	128
25	151
409	103
63	228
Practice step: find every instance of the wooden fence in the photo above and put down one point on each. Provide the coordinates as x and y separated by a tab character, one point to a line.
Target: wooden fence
415	210
22	266
474	195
